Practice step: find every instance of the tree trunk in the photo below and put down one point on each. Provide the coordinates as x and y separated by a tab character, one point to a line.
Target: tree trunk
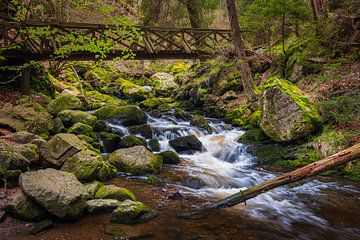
319	9
240	49
195	13
151	11
309	170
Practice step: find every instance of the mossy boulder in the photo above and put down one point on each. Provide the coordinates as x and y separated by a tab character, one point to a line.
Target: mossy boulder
131	90
165	83
59	148
21	137
11	158
287	114
186	144
30	152
255	135
82	129
28	116
130	212
41	80
110	141
92	187
102	205
21	207
181	114
114	192
60	193
87	165
64	102
70	117
131	141
126	115
144	130
95	100
100	126
154	145
154	103
136	160
170	157
200	121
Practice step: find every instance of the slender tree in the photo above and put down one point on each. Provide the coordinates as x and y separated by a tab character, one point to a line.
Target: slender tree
195	13
240	49
319	9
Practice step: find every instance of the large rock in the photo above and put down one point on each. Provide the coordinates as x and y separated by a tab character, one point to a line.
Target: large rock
200	121
58	192
126	115
87	165
58	149
130	212
131	141
26	117
114	192
135	160
287	114
64	102
170	157
20	206
144	130
11	158
22	137
164	81
70	117
187	143
102	205
131	90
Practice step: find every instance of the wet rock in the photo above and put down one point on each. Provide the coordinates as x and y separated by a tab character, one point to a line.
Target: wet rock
170	157
70	117
29	117
58	192
200	121
114	192
126	115
154	145
110	141
64	102
187	143
135	160
130	212
100	126
21	207
287	114
102	205
22	137
144	130
131	141
41	226
181	114
92	188
86	166
11	158
61	147
155	113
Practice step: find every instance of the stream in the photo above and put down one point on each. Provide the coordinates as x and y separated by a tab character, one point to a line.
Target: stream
318	208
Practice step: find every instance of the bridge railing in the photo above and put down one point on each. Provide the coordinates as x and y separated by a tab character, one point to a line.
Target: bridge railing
151	42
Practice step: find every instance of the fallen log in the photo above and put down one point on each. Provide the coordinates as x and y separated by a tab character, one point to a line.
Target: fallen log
309	170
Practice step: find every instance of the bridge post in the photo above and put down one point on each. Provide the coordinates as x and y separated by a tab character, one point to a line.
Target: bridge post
25	81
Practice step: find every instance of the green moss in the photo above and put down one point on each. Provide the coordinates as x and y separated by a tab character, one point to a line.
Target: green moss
131	141
96	100
63	102
154	103
81	128
9	174
130	115
114	192
132	91
129	212
170	157
255	135
40	80
92	187
107	171
200	121
156	164
70	117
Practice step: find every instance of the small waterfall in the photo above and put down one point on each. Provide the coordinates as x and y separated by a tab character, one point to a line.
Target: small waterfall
226	168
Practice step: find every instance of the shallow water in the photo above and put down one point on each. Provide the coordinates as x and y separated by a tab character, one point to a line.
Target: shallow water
314	209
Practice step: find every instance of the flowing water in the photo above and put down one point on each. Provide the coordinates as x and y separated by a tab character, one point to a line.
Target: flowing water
314	209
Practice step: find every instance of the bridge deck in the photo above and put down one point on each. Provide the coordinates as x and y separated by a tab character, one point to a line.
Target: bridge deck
29	41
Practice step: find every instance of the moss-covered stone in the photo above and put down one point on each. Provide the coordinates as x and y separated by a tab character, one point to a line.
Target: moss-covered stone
114	192
40	80
107	171
181	114
96	100
154	103
30	152
132	91
200	121
127	115
131	141
22	137
27	116
70	117
135	160
144	130
20	206
130	212
170	157
81	128
287	114
64	102
92	188
11	158
255	135
154	145
100	126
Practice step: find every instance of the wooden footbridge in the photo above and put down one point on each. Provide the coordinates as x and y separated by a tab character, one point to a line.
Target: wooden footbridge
41	41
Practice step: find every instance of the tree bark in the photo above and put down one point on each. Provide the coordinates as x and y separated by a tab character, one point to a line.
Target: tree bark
309	170
240	49
195	13
319	9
